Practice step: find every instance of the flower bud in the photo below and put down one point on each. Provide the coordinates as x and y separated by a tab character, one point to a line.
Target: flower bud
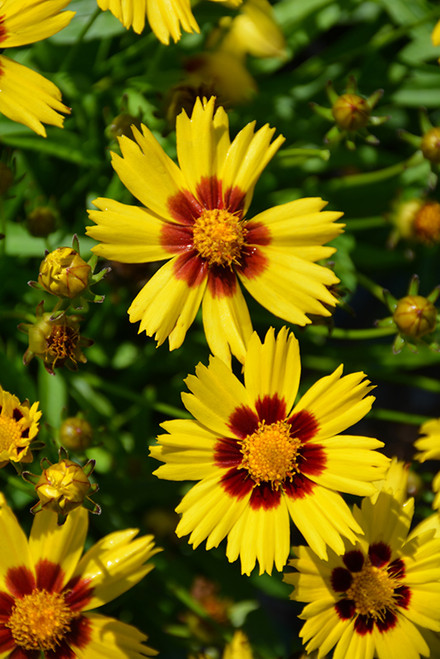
122	125
41	221
415	316
76	433
56	341
351	112
426	226
430	145
64	273
64	486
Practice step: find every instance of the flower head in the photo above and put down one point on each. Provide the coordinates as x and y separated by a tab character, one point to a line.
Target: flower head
63	486
196	218
18	428
372	600
64	273
262	460
55	339
48	590
167	18
26	96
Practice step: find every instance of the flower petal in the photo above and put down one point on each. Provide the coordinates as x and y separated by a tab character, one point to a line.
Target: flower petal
166	17
167	305
15	550
111	639
146	170
27	97
130	14
128	234
62	545
27	21
273	368
215	395
202	142
337	402
227	324
115	564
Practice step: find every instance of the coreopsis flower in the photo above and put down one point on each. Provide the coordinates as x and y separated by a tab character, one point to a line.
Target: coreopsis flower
48	591
375	599
261	459
428	447
167	18
254	30
18	428
64	273
26	96
56	340
63	486
239	647
195	217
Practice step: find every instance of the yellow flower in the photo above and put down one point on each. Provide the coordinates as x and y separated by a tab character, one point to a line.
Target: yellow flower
47	590
375	599
239	647
429	449
64	273
195	217
167	18
18	428
25	96
262	460
254	31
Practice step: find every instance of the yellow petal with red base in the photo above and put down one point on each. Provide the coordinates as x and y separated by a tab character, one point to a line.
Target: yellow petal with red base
112	639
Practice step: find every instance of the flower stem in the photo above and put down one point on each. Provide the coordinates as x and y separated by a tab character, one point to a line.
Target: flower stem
353	334
378	175
78	44
371	286
398	417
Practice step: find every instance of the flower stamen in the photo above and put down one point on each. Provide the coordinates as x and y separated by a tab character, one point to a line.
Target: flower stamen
40	621
270	454
219	236
372	591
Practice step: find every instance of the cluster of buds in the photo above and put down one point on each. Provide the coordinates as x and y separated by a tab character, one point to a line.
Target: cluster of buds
414	317
63	486
55	337
351	114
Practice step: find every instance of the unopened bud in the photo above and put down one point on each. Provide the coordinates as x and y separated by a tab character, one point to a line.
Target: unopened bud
76	433
430	145
351	112
427	223
41	221
415	316
64	273
6	178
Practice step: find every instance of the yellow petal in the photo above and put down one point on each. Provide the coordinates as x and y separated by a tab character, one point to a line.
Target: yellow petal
62	545
15	550
115	564
273	368
216	394
167	17
202	142
166	306
27	21
27	97
112	639
131	13
146	170
227	324
128	234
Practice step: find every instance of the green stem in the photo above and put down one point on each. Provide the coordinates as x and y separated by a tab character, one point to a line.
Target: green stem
414	380
378	175
353	334
294	152
372	287
78	44
365	223
2	228
398	417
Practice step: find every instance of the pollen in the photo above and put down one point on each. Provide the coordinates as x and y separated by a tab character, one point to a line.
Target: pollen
372	591
10	433
270	454
62	343
427	223
40	621
219	237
